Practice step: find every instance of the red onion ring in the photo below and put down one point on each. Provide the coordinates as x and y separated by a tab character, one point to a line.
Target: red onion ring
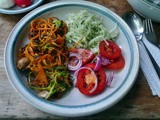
104	61
79	64
98	63
100	60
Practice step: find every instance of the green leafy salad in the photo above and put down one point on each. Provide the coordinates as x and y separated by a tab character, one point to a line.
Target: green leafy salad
86	30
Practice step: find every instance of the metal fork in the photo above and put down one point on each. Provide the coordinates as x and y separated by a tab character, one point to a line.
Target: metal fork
149	32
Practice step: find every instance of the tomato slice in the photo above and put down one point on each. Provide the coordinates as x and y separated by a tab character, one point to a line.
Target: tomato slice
116	64
110	51
87	55
82	84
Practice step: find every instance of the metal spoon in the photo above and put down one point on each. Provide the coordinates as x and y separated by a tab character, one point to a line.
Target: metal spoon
135	23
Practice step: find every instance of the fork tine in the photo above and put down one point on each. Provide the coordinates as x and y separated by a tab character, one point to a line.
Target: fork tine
151	25
149	31
148	26
145	26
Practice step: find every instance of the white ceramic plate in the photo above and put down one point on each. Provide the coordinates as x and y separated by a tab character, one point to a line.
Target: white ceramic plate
74	103
17	10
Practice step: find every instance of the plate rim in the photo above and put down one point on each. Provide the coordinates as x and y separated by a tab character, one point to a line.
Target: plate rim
71	112
140	7
150	4
19	11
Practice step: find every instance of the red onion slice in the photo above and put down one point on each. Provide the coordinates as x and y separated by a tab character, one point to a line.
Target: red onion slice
78	65
104	61
100	60
110	78
98	63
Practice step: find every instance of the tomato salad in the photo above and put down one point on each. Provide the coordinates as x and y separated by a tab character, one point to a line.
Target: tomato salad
92	50
89	68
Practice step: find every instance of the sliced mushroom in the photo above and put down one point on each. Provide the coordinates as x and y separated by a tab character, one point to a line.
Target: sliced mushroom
43	94
23	63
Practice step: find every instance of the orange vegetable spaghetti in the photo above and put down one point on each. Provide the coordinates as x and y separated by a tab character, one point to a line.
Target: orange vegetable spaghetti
46	49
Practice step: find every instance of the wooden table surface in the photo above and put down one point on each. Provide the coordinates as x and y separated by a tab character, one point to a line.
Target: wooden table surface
137	104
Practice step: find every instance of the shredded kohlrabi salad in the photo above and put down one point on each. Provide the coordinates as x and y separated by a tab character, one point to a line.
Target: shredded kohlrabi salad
87	30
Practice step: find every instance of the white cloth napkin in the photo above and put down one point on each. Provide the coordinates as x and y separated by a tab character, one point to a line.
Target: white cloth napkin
154	50
147	66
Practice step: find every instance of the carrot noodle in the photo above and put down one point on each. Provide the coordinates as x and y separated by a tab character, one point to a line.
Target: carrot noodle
46	49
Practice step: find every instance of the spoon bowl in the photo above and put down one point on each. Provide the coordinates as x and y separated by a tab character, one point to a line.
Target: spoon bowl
135	23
